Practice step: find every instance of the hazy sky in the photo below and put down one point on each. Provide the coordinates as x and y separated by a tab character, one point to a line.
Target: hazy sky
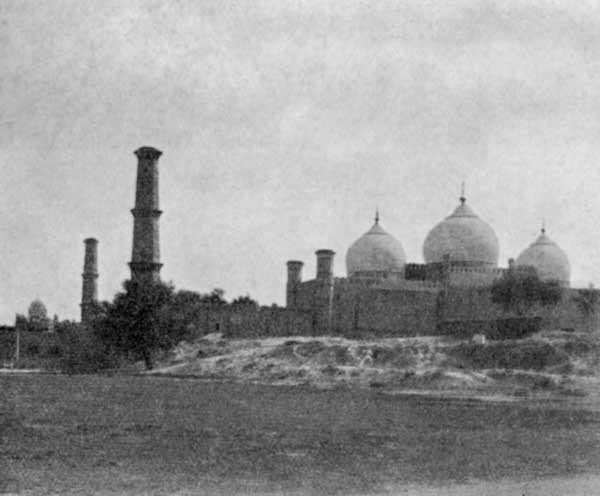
283	124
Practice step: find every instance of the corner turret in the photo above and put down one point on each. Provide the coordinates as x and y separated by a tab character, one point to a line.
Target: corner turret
294	279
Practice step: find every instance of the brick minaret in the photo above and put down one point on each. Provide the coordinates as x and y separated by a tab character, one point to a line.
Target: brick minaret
294	280
324	294
89	291
145	258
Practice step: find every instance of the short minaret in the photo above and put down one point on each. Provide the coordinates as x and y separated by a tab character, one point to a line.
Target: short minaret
294	279
89	291
511	265
324	295
145	258
325	265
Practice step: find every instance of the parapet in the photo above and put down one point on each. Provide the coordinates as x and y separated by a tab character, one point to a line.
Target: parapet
148	153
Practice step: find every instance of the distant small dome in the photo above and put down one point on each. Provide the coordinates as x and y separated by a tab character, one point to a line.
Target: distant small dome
547	258
375	251
37	310
464	237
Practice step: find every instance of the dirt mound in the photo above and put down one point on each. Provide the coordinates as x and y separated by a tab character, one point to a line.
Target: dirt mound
540	363
399	356
522	354
583	349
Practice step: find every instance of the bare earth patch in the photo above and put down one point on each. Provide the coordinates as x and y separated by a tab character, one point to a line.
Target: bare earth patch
550	364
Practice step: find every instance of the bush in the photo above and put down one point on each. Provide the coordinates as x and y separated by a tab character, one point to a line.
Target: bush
146	320
515	328
519	290
139	323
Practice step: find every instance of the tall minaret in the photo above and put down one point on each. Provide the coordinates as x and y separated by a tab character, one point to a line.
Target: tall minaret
89	291
145	258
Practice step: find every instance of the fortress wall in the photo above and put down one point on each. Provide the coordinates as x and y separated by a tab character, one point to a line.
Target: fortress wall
33	344
412	285
264	321
470	304
345	307
470	277
360	312
397	313
468	311
7	343
475	304
307	291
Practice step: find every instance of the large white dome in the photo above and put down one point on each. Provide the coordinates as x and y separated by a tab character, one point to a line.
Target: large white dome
375	251
547	258
464	237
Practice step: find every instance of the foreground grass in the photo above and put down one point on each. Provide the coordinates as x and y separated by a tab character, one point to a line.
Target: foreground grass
143	435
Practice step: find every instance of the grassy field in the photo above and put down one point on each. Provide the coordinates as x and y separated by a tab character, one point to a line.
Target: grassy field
151	435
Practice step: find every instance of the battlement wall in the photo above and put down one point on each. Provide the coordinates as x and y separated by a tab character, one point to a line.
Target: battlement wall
410	285
577	309
266	321
473	276
380	313
412	307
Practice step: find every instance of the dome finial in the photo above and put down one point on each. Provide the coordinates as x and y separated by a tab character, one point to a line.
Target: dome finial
462	192
543	225
376	215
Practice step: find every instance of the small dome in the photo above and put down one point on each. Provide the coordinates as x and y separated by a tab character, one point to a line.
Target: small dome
547	258
375	251
37	310
464	237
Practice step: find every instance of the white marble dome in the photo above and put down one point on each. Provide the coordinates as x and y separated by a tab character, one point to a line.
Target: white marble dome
464	237
375	251
547	258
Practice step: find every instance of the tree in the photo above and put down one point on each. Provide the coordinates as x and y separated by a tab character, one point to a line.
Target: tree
215	298
139	321
146	319
186	312
587	301
520	290
244	302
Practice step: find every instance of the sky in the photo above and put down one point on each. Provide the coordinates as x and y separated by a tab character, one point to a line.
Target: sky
283	125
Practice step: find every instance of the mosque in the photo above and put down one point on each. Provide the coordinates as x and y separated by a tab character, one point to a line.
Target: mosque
383	294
